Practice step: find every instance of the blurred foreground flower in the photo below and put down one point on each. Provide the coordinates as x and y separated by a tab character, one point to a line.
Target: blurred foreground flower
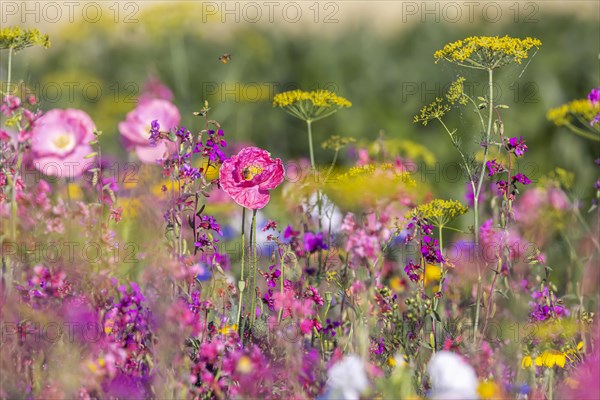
451	377
347	379
581	116
139	122
60	142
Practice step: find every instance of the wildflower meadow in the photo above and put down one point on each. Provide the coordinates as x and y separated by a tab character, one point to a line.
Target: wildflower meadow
299	200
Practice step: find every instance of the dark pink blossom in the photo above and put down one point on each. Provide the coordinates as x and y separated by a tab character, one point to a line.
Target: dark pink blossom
249	176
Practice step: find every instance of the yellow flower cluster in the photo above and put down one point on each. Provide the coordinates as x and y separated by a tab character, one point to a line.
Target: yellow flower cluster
368	185
487	52
435	110
438	211
337	142
558	178
16	38
456	92
549	358
318	98
581	109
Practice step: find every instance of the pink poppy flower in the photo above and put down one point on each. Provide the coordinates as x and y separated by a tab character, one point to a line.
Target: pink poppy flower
248	176
60	141
135	130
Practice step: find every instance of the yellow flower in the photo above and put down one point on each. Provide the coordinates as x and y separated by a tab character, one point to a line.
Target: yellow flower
439	211
75	191
396	284
487	52
310	106
577	116
130	206
17	39
391	362
244	365
157	189
228	329
456	92
526	362
548	359
211	172
433	273
435	110
488	390
377	183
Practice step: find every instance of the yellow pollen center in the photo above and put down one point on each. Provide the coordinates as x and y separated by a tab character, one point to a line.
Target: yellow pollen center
251	171
63	141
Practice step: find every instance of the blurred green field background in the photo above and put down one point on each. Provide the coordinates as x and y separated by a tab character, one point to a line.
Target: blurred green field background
386	68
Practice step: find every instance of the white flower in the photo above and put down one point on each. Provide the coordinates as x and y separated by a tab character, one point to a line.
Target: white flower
451	377
347	379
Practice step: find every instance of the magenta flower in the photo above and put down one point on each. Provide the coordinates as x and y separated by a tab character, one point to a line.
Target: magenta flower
61	141
249	176
518	145
494	167
594	96
412	270
135	130
521	178
314	242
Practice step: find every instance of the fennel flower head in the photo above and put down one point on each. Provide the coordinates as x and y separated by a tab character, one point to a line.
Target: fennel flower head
310	106
347	379
16	38
451	377
487	52
438	211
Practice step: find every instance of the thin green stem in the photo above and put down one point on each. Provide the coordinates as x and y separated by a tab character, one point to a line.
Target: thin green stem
310	145
550	383
476	196
582	133
443	271
242	284
254	271
9	71
485	149
281	280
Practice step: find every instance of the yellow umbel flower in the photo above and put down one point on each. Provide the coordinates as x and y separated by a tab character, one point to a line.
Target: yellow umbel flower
435	110
456	92
439	212
577	115
574	110
487	52
16	38
337	142
310	106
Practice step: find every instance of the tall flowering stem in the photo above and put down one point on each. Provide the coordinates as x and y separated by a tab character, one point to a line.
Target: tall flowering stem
310	107
242	282
486	53
254	271
15	39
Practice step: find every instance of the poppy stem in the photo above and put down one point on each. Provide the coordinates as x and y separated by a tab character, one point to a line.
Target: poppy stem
253	276
242	283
